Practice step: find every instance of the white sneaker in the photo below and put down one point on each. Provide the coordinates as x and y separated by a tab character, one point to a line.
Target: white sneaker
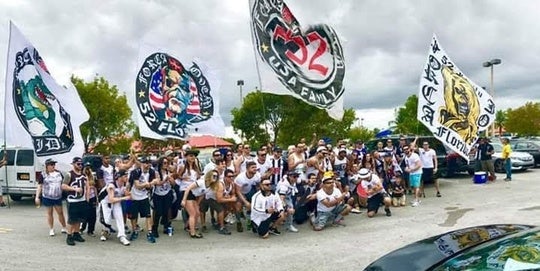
104	235
64	231
292	228
124	241
415	204
51	232
356	211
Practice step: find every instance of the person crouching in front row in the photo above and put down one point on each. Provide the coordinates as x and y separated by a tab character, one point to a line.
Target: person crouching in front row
331	205
266	211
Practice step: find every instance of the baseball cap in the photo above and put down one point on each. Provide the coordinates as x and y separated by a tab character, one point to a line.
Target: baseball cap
293	173
76	160
50	161
192	152
342	150
120	173
329	175
168	153
277	149
144	159
364	173
321	148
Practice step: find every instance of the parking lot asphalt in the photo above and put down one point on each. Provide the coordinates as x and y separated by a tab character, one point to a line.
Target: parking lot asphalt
25	244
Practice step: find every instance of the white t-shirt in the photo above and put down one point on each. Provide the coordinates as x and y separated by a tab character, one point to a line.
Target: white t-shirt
246	183
411	161
200	189
140	194
107	174
321	195
427	158
264	166
368	184
284	187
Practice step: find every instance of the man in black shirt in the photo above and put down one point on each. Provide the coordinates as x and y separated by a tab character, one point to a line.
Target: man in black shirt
486	150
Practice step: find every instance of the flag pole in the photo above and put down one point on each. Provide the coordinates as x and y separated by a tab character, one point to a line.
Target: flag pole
5	102
255	55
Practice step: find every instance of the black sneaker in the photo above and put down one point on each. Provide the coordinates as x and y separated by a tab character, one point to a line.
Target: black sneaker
69	240
388	213
150	238
438	194
155	233
3	204
134	236
224	231
239	227
274	231
77	237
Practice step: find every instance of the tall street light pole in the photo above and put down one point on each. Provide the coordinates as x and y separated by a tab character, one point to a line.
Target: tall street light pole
240	83
490	64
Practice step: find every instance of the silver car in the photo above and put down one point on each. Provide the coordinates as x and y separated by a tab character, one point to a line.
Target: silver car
520	160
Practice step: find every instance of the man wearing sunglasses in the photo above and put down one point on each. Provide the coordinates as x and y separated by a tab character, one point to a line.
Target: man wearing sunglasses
266	211
76	186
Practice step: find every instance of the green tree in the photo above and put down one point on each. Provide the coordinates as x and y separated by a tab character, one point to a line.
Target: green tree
406	121
500	120
285	119
524	120
110	115
361	133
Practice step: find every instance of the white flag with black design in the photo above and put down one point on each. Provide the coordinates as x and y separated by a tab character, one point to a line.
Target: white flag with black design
174	99
307	63
450	105
39	113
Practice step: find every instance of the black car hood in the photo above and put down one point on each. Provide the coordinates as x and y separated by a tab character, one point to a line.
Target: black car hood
431	252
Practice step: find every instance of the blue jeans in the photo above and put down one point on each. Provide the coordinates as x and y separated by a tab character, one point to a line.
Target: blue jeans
508	168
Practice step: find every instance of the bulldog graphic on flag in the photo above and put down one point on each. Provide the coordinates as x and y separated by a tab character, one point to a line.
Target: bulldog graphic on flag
309	62
453	107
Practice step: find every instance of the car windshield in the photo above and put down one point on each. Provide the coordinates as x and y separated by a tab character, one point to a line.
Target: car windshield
497	147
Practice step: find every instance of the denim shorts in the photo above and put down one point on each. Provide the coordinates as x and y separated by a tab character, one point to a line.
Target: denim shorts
51	202
324	218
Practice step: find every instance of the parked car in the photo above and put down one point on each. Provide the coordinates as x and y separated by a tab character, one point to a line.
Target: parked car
487	247
519	160
449	162
528	146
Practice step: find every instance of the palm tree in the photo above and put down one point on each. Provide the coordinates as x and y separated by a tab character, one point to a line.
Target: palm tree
500	119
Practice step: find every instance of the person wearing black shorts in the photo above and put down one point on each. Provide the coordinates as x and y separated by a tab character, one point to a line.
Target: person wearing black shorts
76	185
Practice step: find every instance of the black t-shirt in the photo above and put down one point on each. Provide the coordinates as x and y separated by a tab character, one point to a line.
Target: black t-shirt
395	186
484	149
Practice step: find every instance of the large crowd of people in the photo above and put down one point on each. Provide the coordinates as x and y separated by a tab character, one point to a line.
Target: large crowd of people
264	191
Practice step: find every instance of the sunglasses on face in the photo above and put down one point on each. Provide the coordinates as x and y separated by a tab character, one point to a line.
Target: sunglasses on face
229	176
215	177
78	164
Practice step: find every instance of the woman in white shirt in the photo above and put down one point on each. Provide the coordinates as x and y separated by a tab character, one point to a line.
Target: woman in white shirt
50	190
193	196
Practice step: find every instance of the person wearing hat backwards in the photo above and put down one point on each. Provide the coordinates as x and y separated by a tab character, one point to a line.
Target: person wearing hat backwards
331	206
76	185
111	198
49	194
375	192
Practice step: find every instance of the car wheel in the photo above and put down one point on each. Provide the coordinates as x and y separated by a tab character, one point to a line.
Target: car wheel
499	166
15	197
443	173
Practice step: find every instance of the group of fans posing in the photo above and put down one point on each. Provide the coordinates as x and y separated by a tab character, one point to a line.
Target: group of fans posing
314	184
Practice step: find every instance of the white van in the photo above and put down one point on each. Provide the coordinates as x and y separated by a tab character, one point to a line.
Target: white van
21	172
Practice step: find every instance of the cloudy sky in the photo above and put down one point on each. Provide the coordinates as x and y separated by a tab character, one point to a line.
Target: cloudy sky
385	43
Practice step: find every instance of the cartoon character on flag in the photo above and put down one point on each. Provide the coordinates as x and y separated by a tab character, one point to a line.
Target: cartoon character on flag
450	105
171	97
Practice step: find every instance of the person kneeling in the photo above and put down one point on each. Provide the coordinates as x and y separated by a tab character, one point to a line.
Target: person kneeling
266	211
331	206
376	193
